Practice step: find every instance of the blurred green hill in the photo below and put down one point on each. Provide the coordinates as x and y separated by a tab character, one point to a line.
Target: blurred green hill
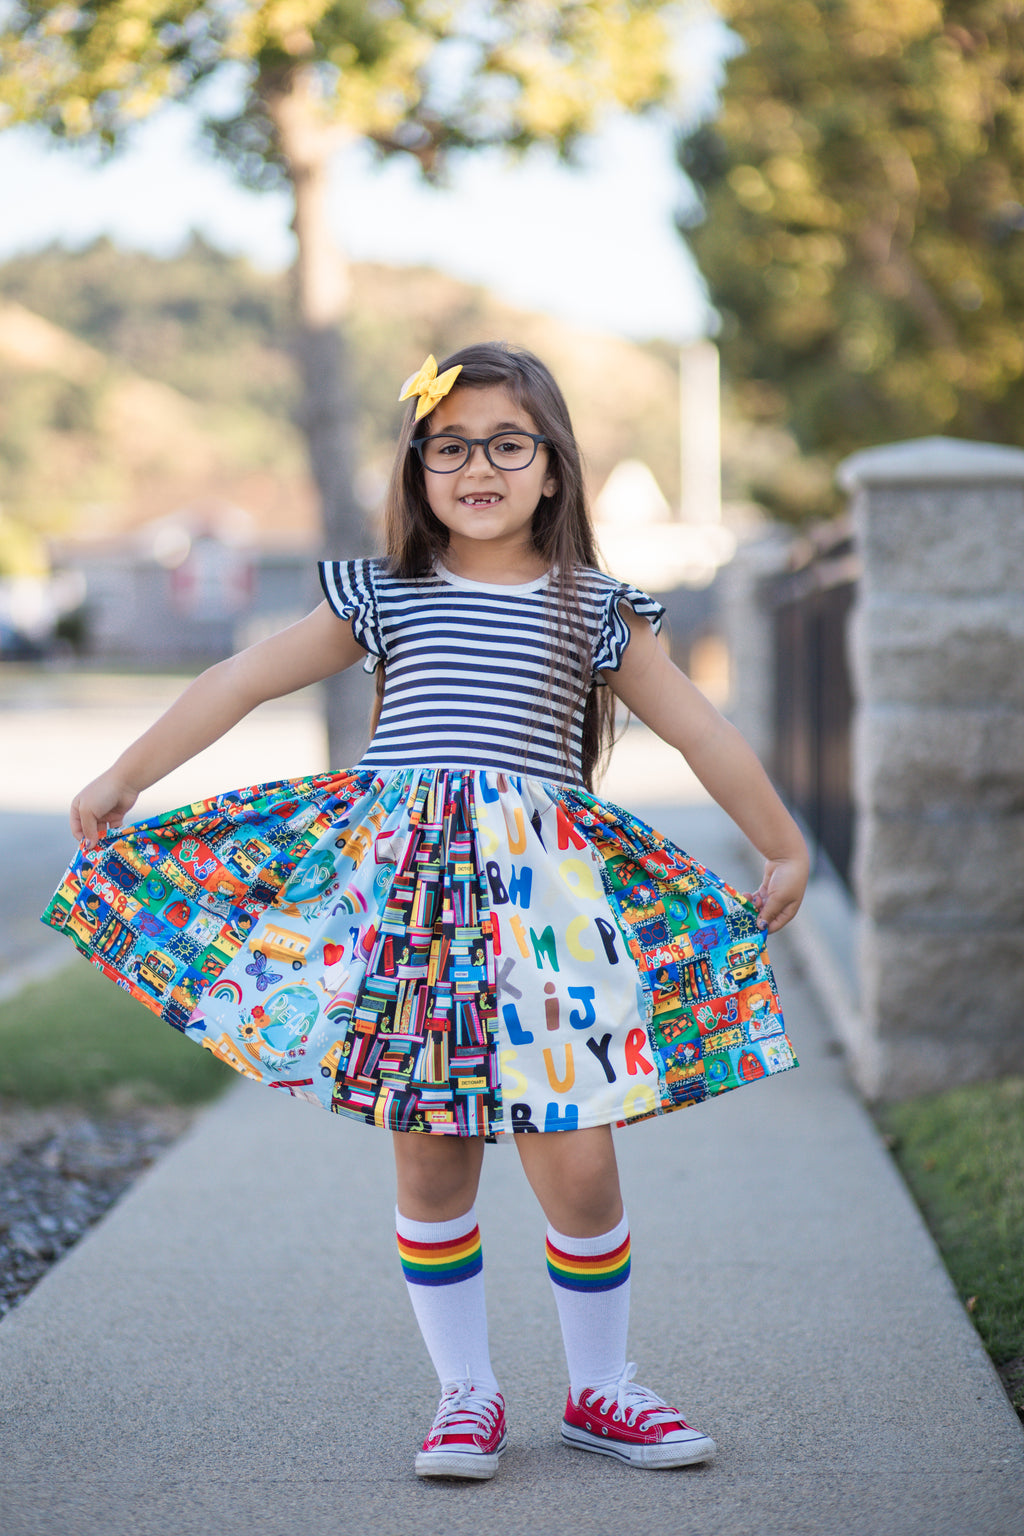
131	385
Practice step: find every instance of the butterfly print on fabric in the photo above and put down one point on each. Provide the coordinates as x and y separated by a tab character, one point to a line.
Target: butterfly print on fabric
264	977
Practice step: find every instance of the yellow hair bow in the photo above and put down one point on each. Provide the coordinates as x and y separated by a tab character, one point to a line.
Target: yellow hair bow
430	388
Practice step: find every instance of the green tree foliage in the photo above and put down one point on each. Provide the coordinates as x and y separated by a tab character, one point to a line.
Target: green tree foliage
419	76
863	238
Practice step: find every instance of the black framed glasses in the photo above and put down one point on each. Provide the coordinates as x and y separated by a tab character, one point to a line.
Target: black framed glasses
445	452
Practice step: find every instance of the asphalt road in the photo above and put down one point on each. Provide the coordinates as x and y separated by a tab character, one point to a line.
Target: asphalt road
34	848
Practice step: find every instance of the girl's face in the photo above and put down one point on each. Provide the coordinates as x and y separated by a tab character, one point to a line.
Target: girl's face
482	506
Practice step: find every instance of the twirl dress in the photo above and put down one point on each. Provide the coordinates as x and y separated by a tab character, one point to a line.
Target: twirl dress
452	937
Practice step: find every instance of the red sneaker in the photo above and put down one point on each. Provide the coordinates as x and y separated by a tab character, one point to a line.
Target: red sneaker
633	1424
467	1435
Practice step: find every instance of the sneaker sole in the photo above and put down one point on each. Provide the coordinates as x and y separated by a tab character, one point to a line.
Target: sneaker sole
668	1453
471	1464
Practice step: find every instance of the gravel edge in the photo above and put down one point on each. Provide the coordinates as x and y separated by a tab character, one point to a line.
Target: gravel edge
61	1169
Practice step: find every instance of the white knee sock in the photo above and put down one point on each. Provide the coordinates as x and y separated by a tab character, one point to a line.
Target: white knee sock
590	1280
443	1266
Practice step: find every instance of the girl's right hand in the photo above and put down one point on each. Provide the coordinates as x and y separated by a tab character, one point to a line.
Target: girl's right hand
99	806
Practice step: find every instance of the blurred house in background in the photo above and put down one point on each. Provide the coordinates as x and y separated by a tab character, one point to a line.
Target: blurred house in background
189	587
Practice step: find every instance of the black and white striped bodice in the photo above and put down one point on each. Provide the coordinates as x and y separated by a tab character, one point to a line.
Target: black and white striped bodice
468	664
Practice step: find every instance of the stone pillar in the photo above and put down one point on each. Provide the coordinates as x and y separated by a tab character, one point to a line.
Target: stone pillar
938	666
747	626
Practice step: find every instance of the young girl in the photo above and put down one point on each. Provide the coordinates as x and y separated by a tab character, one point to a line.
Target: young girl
455	938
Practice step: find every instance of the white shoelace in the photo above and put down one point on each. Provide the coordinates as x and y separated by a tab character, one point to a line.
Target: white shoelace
462	1408
631	1402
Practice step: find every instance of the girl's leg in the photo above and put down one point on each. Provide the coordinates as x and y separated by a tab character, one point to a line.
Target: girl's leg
575	1177
439	1246
437	1176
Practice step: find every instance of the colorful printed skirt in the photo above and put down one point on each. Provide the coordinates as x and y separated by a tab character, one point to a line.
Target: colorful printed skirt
464	953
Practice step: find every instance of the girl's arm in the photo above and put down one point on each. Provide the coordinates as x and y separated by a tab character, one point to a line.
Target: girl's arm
655	690
306	652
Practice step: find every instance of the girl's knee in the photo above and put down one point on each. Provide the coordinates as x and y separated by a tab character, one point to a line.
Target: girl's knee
575	1177
437	1176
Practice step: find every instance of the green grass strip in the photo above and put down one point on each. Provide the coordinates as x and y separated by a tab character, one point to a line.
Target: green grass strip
77	1038
962	1154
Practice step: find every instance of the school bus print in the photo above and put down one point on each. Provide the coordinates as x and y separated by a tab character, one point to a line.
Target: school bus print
247	857
155	972
329	1062
278	943
225	1050
741	963
357	842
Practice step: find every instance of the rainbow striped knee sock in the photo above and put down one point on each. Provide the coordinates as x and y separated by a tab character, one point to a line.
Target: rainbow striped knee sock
590	1280
443	1266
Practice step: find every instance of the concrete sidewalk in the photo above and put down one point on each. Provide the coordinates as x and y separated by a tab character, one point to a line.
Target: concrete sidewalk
231	1351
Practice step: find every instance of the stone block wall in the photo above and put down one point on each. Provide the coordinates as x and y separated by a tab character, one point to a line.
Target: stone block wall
937	653
748	625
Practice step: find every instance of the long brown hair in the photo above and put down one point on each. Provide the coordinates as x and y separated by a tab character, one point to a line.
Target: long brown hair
562	533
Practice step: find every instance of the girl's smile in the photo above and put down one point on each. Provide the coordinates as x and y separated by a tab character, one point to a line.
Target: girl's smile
488	511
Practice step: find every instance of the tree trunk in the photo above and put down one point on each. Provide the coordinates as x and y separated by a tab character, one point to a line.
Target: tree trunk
326	414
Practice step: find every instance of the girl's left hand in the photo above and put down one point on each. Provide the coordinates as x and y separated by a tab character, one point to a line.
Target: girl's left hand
780	892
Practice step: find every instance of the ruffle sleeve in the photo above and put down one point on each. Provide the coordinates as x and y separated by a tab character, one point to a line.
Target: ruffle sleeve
613	636
350	590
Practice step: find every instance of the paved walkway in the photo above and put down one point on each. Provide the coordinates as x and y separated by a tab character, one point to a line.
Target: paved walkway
231	1352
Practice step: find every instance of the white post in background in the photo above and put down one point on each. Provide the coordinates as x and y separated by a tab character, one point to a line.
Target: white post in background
640	536
700	436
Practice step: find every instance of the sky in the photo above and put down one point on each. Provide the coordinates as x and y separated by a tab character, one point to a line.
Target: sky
595	246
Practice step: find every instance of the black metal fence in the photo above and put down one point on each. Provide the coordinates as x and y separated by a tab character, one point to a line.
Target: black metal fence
813	694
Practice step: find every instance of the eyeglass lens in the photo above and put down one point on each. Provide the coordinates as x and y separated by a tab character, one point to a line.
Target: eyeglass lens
506	450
